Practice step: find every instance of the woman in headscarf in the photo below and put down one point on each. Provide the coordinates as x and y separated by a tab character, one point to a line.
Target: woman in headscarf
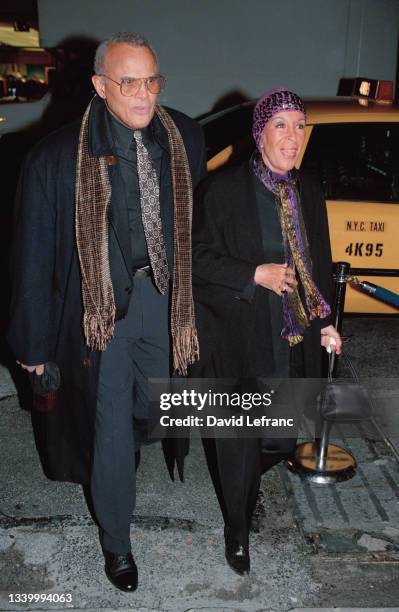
262	284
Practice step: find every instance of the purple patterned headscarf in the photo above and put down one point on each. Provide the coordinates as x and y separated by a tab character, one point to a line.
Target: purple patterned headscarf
271	103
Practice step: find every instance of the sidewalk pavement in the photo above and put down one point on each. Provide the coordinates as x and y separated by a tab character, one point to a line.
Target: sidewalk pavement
312	547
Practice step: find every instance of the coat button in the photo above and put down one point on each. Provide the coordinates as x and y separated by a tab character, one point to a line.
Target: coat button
128	290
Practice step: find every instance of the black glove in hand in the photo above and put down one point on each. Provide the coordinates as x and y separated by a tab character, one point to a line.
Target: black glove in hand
47	382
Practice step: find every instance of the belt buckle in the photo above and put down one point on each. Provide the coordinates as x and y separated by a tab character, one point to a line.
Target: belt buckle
142	272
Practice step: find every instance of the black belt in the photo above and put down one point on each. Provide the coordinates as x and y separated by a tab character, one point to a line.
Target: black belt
142	272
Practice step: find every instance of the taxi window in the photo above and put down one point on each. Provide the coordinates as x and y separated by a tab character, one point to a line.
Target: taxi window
227	129
355	161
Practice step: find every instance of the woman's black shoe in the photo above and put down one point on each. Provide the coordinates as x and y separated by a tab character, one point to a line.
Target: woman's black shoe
237	556
121	570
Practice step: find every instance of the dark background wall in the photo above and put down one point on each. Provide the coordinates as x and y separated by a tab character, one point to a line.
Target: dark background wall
211	48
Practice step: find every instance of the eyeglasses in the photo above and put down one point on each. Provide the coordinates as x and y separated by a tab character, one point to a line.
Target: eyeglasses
129	86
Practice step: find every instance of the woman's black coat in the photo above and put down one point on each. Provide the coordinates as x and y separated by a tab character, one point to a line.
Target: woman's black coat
234	327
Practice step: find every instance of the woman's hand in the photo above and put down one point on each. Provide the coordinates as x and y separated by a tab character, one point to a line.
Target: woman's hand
328	333
276	277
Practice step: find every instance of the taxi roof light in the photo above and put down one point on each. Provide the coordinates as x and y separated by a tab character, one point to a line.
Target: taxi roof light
379	91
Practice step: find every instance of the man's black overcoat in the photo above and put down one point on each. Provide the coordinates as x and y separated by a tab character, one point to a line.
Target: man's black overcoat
234	330
46	314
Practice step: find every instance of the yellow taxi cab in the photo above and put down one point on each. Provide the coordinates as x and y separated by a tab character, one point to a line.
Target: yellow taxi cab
352	146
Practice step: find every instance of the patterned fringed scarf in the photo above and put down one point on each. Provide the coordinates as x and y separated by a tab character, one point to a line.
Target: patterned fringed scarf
92	201
295	318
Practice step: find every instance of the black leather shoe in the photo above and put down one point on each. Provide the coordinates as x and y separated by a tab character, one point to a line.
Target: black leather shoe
121	570
237	556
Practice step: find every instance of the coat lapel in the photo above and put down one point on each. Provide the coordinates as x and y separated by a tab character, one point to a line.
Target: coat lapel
247	217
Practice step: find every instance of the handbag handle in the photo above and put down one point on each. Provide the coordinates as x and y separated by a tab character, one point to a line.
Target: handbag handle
348	363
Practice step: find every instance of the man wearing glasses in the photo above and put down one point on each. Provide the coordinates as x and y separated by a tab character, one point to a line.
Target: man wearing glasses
102	277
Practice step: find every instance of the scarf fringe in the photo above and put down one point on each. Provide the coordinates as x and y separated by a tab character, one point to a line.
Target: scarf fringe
185	349
293	340
295	318
98	329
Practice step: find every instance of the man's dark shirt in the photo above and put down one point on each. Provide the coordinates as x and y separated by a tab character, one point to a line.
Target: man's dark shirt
125	148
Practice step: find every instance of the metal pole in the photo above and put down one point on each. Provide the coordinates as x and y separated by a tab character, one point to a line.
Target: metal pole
341	272
319	461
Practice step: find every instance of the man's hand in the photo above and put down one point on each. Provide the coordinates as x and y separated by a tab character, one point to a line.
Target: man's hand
330	333
39	369
276	277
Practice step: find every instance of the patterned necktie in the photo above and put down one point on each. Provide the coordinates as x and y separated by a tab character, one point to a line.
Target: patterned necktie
151	214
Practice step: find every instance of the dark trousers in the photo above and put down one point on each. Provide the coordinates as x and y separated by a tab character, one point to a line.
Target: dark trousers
139	350
236	464
235	469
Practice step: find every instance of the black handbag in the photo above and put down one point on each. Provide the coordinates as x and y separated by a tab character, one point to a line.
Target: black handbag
344	400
